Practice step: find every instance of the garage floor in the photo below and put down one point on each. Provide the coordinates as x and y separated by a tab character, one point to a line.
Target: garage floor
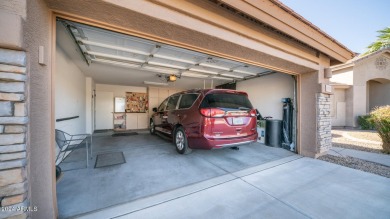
152	166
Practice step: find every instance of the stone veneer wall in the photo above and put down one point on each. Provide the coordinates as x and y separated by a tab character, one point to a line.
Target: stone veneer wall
13	134
324	119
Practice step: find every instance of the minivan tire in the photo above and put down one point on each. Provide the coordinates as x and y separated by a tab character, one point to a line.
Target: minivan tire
180	141
152	128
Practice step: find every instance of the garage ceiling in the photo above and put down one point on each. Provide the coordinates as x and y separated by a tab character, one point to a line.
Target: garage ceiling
114	58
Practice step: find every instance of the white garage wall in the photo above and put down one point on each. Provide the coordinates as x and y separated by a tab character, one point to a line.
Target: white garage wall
70	95
266	93
133	120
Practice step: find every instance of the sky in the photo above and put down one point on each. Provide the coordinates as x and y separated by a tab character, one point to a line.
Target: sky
351	22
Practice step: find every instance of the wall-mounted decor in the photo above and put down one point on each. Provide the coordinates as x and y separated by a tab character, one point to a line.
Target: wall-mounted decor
136	102
381	63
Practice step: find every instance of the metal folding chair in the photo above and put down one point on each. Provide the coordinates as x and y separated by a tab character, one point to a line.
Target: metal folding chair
68	143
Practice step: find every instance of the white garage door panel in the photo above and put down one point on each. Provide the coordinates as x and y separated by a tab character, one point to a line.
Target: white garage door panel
104	109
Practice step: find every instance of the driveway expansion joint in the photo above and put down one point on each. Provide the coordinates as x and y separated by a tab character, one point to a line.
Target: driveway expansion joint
285	203
117	211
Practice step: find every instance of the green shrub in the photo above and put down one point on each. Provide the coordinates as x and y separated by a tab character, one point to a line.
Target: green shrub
381	117
366	122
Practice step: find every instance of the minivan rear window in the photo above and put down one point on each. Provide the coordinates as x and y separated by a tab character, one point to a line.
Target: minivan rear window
226	100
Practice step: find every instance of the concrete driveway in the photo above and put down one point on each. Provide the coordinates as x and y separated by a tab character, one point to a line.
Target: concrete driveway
152	167
290	187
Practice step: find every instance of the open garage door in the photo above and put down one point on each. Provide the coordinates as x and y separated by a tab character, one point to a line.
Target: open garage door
100	67
107	47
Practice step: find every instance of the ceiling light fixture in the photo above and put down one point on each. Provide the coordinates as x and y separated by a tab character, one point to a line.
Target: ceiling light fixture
204	71
155	83
171	78
233	76
115	56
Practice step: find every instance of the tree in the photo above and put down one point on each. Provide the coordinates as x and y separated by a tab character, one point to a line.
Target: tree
383	41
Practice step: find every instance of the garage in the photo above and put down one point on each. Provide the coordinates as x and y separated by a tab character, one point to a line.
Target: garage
99	74
65	64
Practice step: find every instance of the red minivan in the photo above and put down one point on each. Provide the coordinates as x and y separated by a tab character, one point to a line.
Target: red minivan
206	119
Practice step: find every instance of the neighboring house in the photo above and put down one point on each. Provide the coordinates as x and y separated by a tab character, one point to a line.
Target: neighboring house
265	34
360	85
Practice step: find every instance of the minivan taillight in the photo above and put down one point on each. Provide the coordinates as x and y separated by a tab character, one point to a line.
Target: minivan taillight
253	112
212	112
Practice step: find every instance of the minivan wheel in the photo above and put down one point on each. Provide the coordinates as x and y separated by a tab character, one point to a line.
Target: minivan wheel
152	128
181	142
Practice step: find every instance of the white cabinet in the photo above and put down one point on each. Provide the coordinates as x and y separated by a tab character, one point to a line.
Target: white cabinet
137	120
131	121
143	121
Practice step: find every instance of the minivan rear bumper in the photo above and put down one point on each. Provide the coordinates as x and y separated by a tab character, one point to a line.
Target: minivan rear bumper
208	144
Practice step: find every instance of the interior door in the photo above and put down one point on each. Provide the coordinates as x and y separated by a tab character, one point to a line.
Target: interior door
104	110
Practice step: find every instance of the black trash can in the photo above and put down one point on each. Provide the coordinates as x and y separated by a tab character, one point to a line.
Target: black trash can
273	133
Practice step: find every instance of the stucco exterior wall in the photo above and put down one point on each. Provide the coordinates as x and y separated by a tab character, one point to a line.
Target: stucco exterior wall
307	139
14	112
37	32
365	70
343	76
12	14
367	84
16	7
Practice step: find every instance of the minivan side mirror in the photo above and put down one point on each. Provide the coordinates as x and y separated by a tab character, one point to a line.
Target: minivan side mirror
154	109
